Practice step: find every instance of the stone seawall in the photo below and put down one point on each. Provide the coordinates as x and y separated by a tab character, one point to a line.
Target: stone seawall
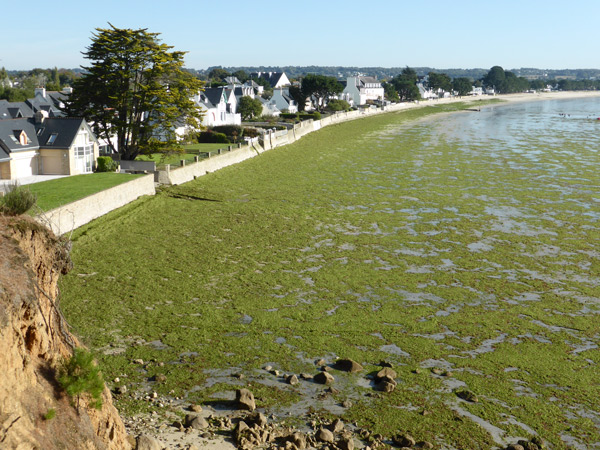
66	218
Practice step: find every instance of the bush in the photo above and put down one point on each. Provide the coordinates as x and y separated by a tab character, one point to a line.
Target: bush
17	200
250	132
337	105
106	164
288	116
210	137
315	116
80	375
231	131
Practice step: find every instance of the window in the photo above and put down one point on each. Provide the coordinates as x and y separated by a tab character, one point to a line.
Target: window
52	138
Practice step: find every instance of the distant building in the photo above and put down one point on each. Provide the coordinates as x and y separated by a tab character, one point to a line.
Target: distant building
363	89
275	79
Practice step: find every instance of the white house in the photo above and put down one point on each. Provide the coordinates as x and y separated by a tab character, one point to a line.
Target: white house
362	89
219	107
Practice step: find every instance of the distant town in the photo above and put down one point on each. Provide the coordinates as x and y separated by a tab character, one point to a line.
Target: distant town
39	135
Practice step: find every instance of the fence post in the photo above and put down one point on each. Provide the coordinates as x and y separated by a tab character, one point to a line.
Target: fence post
196	158
239	145
182	162
218	151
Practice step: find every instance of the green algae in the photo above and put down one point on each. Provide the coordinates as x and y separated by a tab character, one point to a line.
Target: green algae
379	239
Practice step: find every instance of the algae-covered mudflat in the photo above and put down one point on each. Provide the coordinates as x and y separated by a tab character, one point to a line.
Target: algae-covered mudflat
467	265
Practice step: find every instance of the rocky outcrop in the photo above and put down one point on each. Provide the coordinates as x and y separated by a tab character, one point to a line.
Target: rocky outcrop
34	338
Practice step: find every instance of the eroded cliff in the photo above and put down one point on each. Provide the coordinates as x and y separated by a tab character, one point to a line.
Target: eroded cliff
34	339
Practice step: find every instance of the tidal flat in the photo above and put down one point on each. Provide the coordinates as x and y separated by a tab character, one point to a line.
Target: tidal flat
384	239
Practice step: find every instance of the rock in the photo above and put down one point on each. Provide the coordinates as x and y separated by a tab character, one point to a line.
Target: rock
268	368
424	444
148	443
196	422
347	404
138	361
417	370
324	435
160	378
306	376
193	447
348	365
386	373
384	363
515	447
386	385
298	439
293	380
196	408
346	443
538	441
325	369
467	395
257	418
337	426
177	424
324	378
437	371
403	440
121	389
245	399
320	362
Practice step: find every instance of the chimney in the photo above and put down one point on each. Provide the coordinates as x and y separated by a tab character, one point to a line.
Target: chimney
41	91
40	116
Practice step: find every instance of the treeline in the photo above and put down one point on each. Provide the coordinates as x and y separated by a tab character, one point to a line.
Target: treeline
386	73
19	85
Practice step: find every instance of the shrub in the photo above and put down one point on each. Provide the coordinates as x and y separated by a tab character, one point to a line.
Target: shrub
337	105
80	375
250	132
288	116
210	137
17	200
51	414
106	164
316	115
231	131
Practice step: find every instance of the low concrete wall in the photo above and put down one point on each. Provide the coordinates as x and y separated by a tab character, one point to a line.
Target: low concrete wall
66	218
147	166
179	175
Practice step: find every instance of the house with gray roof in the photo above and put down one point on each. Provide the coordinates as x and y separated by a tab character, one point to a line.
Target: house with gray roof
219	106
361	90
275	79
43	145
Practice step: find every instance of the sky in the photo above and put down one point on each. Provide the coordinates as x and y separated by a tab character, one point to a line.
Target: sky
386	33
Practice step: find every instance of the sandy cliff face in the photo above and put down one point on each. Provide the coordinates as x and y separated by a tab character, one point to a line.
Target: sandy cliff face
33	340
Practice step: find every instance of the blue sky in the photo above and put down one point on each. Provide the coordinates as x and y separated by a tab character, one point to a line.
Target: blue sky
387	33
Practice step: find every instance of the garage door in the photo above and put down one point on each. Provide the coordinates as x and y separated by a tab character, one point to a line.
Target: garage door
52	165
24	167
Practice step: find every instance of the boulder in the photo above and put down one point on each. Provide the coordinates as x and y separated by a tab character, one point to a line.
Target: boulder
337	426
386	373
348	365
145	442
293	380
403	440
245	399
324	378
324	435
346	443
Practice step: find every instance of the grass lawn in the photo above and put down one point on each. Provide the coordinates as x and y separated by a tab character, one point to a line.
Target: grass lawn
377	240
191	151
54	193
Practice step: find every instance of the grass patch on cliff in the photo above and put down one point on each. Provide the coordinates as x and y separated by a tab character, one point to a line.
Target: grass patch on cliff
380	239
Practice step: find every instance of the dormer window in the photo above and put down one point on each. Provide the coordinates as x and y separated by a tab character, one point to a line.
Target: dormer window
20	136
52	138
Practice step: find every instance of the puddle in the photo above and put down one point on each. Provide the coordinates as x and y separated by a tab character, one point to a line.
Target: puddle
393	349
